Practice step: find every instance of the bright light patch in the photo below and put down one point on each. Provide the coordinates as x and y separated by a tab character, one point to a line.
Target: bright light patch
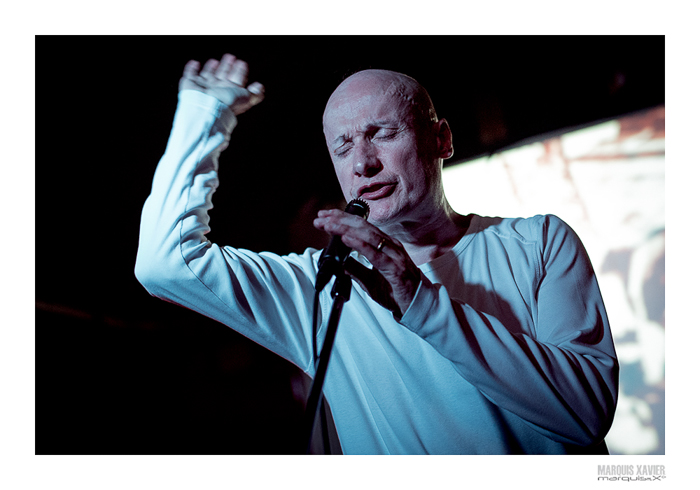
580	143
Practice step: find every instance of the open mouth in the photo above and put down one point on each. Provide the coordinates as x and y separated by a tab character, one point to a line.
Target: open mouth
377	191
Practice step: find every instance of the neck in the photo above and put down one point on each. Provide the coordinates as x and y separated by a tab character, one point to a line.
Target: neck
428	237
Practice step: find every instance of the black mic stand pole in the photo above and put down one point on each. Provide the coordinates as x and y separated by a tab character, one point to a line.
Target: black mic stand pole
341	294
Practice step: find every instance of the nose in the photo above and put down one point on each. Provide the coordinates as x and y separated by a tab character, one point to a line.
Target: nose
367	163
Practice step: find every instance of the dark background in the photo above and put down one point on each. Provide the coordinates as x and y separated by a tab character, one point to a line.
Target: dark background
120	372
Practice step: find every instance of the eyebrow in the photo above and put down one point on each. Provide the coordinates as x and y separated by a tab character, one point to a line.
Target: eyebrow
340	138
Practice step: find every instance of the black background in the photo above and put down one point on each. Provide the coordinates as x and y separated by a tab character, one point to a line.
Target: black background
120	372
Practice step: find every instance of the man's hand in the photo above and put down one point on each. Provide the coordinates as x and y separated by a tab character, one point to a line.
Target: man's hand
395	278
226	80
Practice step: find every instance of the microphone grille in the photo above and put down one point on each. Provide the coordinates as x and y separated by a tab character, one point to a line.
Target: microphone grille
358	207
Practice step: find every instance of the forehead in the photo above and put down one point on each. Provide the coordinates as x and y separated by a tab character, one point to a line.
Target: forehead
363	101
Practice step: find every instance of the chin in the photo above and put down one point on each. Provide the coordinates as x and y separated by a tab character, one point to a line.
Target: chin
378	219
381	216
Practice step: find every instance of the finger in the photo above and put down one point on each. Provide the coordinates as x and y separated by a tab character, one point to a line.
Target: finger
257	88
209	68
370	235
378	258
191	69
341	217
322	213
239	73
337	222
257	93
224	68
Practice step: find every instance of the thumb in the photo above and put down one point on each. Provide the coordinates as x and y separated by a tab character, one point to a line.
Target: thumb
255	95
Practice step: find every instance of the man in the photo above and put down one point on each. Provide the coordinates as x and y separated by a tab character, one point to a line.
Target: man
464	334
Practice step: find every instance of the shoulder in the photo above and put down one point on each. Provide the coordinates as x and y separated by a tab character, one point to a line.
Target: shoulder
525	229
544	232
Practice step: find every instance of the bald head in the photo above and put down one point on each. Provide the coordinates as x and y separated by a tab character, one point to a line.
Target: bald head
385	82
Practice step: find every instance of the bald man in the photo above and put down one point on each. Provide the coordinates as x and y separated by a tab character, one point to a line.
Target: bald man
464	334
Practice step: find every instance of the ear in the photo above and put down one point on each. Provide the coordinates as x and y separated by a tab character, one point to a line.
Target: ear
444	136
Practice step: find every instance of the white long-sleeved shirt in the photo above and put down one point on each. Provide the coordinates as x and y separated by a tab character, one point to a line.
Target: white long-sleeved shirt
506	347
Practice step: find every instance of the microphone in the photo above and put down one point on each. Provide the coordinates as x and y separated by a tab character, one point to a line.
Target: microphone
334	255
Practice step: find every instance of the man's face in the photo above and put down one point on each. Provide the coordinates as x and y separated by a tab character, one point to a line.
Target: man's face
380	151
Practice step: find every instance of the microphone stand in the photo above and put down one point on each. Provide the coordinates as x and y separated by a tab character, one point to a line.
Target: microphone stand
340	294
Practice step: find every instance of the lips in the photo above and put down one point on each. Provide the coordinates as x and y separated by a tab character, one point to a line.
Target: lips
376	191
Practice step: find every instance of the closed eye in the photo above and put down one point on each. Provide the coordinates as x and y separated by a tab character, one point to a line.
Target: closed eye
386	133
343	150
380	133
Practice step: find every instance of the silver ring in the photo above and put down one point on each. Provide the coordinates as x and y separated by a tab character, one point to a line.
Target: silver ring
381	245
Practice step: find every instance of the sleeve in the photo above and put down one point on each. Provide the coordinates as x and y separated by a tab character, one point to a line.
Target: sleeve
562	380
263	296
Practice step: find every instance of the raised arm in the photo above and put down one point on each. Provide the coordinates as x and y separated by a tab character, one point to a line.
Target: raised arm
263	296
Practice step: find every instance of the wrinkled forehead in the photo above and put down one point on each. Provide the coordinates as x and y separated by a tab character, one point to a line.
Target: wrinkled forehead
353	105
369	95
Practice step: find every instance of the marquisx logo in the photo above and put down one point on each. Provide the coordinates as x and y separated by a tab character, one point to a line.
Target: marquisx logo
631	472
